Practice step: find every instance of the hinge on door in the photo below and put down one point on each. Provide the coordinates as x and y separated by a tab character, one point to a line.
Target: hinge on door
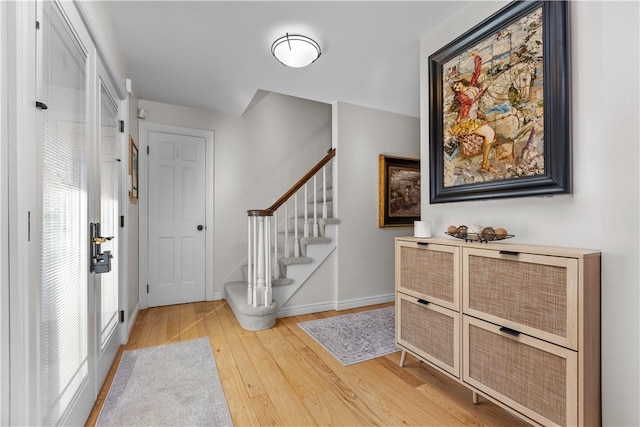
28	226
121	315
122	221
121	126
37	25
41	105
147	288
147	149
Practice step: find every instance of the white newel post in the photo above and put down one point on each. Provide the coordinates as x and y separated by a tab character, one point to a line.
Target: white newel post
251	244
259	252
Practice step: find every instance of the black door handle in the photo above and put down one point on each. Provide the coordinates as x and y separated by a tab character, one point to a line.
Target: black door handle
200	228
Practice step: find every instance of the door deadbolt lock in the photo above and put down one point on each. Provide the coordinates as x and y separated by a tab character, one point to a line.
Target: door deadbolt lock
100	261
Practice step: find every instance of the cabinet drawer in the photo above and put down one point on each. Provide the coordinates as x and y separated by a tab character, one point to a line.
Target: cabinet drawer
429	331
429	271
534	294
534	377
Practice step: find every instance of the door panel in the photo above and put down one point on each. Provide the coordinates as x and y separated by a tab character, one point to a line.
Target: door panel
67	387
176	209
107	284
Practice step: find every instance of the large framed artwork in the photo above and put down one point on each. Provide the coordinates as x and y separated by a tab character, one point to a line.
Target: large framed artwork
499	107
399	191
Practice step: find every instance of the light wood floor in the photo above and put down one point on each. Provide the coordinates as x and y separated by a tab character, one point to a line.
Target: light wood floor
281	376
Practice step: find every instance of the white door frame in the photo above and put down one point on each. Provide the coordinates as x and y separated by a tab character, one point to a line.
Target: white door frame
143	194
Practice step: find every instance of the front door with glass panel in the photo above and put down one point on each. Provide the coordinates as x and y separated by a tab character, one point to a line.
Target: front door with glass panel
80	183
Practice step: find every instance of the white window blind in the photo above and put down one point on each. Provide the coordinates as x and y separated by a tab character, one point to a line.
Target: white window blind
64	269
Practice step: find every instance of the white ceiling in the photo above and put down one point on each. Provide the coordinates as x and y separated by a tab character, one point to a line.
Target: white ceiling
216	55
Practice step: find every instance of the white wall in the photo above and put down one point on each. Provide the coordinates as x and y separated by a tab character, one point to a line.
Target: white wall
366	252
257	158
602	212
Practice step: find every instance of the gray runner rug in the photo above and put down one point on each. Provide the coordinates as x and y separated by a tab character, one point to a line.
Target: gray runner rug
356	337
169	385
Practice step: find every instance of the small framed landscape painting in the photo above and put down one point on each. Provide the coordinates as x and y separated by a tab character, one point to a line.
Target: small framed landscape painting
399	191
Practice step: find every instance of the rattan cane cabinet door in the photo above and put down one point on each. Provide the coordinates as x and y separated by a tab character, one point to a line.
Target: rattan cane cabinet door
534	377
429	331
429	271
532	294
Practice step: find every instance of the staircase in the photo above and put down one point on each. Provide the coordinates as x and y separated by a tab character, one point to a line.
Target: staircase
287	242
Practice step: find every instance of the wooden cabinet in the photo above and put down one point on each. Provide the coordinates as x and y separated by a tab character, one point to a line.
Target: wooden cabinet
522	323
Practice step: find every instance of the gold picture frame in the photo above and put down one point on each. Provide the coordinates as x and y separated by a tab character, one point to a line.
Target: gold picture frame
399	191
133	170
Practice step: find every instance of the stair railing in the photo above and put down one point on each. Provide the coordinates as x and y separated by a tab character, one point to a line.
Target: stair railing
263	265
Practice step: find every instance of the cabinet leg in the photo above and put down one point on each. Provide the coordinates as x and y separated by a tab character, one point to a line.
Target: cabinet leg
403	357
475	398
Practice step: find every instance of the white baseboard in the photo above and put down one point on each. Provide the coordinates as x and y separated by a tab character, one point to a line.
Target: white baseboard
330	305
306	309
363	302
132	320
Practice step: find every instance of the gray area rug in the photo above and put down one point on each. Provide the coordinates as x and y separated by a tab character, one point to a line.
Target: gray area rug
169	385
357	337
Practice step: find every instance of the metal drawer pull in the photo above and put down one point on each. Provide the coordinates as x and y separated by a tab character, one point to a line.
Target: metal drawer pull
423	301
509	331
509	253
423	243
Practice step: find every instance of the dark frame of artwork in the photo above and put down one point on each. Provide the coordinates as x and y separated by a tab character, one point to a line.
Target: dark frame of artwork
399	191
500	107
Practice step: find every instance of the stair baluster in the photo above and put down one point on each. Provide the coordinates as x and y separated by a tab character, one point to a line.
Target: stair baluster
287	248
267	264
306	212
276	270
315	206
324	192
296	242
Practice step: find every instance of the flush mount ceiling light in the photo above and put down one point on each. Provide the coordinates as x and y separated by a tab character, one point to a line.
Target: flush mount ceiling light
295	51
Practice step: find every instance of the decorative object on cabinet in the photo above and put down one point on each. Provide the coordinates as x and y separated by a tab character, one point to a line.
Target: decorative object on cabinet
517	324
499	107
399	191
478	233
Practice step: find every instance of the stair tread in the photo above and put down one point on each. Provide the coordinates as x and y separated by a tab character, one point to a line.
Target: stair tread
296	260
311	240
282	281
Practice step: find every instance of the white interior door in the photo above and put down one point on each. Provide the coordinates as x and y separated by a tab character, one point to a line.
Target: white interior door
177	206
107	284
